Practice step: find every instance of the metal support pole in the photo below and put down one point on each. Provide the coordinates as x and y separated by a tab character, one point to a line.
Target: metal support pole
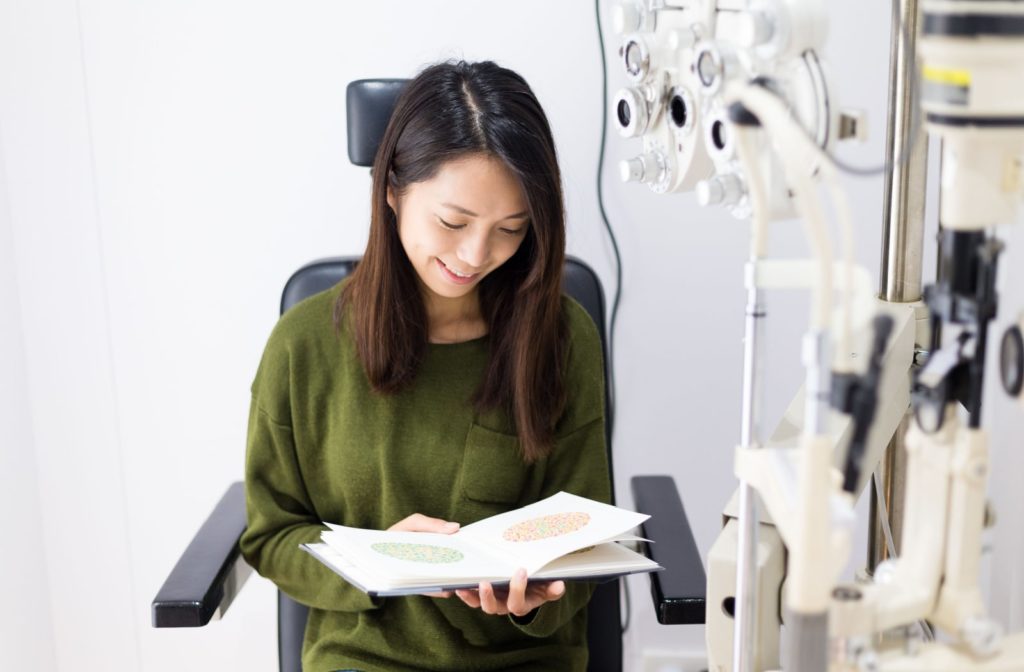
904	190
745	607
892	470
902	240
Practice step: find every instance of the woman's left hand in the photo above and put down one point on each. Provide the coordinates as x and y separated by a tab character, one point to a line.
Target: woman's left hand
520	599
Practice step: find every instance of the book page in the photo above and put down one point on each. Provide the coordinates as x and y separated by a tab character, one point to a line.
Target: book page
407	556
540	532
600	565
607	558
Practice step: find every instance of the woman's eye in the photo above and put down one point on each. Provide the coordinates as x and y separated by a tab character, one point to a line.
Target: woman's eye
512	232
452	227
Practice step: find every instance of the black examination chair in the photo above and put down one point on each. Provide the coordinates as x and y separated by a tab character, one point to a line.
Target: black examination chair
211	571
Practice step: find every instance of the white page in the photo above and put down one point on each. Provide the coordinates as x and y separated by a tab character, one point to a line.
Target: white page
342	565
604	558
374	585
364	579
540	532
405	556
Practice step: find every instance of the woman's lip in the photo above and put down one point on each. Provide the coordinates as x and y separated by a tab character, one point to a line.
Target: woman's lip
457	279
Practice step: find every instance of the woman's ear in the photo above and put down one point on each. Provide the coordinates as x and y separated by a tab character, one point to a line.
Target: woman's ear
392	200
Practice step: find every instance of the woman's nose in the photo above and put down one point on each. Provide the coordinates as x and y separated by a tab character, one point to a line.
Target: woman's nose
475	250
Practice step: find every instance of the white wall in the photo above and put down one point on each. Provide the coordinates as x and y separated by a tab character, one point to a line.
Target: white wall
26	626
70	388
167	165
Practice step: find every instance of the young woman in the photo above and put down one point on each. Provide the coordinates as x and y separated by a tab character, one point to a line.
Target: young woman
447	380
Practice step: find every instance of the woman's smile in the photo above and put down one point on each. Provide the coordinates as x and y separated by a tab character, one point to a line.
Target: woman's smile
455	276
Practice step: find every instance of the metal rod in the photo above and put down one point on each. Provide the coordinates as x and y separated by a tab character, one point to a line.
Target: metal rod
892	472
745	603
902	242
904	190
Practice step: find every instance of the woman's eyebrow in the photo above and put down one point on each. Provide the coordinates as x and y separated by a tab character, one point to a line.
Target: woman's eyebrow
470	213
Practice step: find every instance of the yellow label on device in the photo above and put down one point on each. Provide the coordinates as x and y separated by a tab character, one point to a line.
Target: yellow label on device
951	76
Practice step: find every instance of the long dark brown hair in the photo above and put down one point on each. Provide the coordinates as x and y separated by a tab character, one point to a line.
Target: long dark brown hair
451	110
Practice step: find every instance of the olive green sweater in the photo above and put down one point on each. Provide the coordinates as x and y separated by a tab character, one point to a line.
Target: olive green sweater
322	446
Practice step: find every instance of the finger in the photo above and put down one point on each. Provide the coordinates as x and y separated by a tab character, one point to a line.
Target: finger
418	522
516	602
538	594
470	597
500	592
488	602
555	590
442	594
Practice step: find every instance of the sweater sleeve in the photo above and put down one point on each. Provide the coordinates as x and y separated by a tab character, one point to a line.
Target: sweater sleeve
279	512
578	464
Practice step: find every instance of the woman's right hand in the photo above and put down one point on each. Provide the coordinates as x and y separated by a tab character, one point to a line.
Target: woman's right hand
417	522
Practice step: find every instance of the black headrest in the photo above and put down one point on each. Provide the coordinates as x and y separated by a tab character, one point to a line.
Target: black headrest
369	103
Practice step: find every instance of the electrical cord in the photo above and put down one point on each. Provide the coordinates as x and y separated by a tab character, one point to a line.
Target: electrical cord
604	217
612	396
915	112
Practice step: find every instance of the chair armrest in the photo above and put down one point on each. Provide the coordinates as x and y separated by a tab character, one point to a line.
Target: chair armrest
210	572
679	591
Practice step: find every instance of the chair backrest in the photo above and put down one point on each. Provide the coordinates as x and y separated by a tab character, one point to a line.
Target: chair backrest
604	634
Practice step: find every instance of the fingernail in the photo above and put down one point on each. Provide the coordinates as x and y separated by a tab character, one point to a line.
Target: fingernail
559	588
451	526
521	574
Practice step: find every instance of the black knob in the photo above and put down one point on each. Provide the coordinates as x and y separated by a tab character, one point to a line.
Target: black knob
1011	361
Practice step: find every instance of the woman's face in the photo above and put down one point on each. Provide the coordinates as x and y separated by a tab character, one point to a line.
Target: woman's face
460	225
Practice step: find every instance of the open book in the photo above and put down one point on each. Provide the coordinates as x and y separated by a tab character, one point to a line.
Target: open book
562	537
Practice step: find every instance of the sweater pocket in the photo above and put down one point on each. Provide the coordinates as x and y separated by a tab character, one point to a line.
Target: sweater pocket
493	471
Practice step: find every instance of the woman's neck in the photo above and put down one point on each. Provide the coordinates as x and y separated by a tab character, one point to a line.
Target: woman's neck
454	320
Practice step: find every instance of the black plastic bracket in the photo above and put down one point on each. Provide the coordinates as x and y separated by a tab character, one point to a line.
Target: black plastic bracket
206	577
679	591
